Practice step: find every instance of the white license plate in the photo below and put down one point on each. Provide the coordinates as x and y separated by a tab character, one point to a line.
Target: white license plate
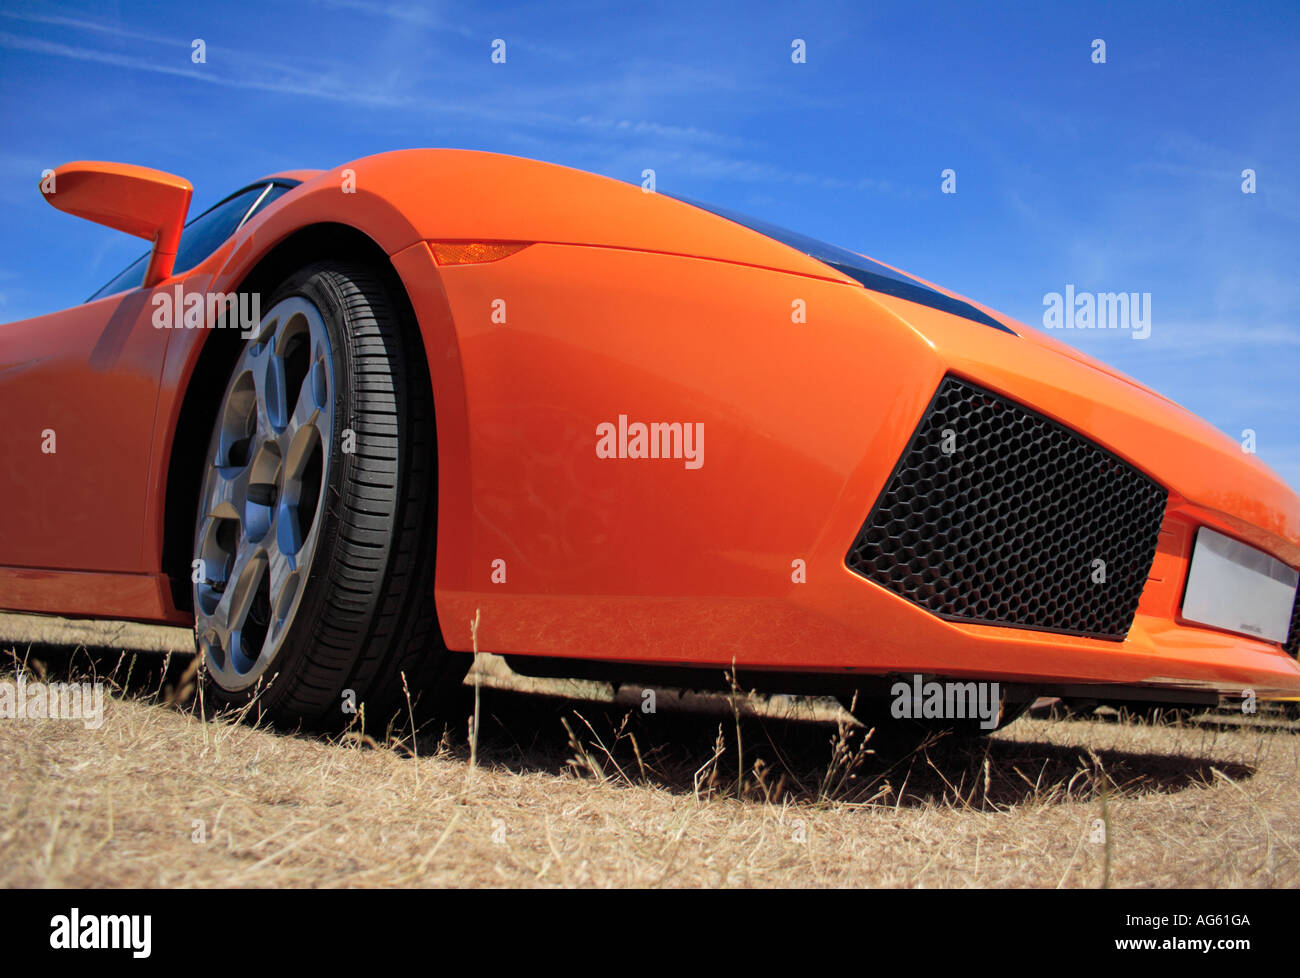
1237	588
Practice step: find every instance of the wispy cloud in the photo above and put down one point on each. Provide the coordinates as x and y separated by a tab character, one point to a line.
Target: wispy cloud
203	74
692	150
74	23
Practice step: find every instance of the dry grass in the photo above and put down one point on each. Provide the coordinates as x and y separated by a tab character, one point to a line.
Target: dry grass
572	786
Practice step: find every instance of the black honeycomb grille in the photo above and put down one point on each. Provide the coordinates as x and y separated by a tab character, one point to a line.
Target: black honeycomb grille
996	514
1293	641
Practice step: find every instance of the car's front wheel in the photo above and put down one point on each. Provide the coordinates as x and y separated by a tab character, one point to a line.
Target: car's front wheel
314	536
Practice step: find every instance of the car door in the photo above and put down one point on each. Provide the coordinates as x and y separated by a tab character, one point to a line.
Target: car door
78	392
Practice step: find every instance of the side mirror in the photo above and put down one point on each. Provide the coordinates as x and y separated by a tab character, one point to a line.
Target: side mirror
146	203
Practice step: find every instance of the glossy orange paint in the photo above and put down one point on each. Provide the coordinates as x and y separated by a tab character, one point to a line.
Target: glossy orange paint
79	391
143	202
634	304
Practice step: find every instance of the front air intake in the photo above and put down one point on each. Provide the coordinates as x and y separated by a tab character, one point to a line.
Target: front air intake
999	516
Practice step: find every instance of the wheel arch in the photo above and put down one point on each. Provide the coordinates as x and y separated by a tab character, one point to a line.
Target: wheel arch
205	383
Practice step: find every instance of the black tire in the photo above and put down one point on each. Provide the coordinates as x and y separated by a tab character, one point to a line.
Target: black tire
365	629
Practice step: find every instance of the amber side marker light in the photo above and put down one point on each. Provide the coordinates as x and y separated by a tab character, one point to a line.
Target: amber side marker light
474	252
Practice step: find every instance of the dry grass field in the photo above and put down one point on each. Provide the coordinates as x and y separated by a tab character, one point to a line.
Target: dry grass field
568	784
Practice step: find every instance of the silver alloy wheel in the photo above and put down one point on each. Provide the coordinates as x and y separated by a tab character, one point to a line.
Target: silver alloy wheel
260	507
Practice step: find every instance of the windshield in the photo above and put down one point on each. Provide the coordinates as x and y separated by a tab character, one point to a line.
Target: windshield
872	274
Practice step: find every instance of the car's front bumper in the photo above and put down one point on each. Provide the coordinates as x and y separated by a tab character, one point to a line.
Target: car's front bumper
549	549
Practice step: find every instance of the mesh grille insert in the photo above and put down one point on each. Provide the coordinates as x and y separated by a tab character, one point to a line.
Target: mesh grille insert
998	515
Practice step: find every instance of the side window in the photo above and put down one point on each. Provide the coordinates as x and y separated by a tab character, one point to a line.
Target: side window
204	234
201	237
129	279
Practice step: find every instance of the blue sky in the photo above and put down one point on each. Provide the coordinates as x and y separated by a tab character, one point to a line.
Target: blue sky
1123	176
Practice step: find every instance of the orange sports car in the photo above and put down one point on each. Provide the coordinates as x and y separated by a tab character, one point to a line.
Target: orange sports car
352	424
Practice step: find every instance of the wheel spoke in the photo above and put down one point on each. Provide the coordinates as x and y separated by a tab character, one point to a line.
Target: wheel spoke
305	412
281	567
272	405
232	610
227	492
